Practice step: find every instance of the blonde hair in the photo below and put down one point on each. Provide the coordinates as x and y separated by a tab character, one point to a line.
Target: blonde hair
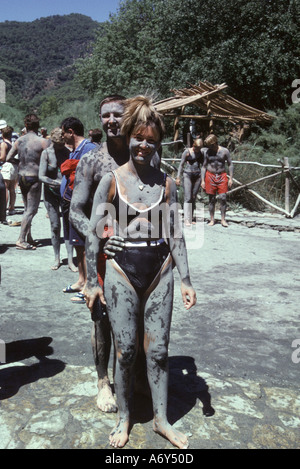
211	140
56	135
140	112
198	142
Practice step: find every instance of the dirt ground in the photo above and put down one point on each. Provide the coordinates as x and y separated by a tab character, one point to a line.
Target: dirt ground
232	355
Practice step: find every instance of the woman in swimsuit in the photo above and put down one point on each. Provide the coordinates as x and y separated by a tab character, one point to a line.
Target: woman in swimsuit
50	175
193	159
9	170
138	284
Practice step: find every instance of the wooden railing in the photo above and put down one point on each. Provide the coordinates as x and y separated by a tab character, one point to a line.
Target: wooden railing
286	170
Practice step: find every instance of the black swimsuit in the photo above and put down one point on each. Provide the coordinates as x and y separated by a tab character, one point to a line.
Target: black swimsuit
194	161
141	260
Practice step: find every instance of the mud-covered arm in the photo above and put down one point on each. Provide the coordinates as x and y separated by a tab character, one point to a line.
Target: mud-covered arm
94	234
181	166
84	178
178	246
203	170
13	151
230	168
43	171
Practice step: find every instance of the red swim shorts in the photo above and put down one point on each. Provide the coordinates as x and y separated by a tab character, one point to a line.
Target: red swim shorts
216	183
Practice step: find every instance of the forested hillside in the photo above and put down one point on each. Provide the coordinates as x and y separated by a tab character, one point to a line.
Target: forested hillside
39	56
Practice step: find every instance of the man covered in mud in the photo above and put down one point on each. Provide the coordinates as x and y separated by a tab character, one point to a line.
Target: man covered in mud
29	148
214	176
91	168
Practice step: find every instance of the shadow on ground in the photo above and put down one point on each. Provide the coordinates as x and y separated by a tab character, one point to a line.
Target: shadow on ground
14	377
185	389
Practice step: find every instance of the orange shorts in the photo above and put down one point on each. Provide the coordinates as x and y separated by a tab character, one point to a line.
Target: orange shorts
102	258
216	183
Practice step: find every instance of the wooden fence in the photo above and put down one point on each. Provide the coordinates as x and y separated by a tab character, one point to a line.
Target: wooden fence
289	178
283	169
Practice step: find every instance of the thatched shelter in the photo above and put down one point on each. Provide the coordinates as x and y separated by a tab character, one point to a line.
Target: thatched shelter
213	104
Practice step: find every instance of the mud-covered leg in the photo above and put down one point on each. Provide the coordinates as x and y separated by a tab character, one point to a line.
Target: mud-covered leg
53	212
211	208
141	385
223	207
101	345
187	186
123	308
157	317
31	205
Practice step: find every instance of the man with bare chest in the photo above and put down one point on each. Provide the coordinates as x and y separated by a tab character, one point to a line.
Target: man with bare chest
90	170
214	176
29	147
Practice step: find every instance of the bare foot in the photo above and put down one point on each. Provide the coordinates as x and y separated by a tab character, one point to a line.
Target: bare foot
25	246
224	223
211	223
174	436
119	436
72	289
105	399
72	267
56	265
77	287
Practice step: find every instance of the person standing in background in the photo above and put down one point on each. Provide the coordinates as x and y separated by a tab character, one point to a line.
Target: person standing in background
29	148
214	176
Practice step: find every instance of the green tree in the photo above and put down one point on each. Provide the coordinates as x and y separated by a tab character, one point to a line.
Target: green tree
159	45
49	107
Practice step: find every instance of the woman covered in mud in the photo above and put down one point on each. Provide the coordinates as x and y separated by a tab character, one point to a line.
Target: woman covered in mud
138	286
49	173
190	165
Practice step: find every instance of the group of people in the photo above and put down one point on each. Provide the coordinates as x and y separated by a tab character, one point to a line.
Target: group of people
204	165
109	194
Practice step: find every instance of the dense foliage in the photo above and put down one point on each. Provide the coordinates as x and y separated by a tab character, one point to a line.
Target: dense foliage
158	45
38	57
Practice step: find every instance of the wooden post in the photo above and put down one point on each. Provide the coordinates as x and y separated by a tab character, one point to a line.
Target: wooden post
296	206
176	129
211	122
188	140
287	184
176	133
